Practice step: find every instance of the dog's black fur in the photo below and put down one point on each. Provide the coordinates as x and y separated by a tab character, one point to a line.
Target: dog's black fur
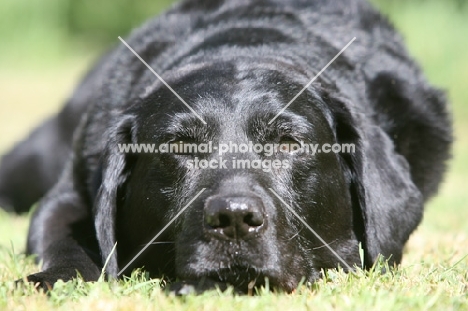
237	63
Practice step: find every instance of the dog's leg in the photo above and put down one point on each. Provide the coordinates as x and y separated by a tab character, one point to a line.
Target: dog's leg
62	234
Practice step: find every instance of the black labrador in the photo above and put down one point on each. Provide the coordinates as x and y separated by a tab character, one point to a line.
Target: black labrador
237	64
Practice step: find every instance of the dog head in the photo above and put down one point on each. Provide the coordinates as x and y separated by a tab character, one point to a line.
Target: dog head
284	214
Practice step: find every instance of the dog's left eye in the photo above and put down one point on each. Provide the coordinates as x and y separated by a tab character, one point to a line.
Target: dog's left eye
288	145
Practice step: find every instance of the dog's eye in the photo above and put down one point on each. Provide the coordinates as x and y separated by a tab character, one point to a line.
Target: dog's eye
288	145
183	146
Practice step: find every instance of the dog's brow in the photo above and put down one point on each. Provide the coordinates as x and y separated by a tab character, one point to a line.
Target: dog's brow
162	80
313	79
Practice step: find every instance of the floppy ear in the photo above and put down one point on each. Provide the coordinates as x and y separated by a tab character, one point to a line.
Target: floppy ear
391	204
387	206
415	115
114	174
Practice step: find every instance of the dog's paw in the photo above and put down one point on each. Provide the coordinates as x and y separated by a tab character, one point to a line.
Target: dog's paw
45	280
42	280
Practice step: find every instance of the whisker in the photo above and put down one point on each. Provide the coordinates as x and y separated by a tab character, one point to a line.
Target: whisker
294	235
164	242
324	245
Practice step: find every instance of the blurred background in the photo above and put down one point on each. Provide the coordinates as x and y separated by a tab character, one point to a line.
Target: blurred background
47	45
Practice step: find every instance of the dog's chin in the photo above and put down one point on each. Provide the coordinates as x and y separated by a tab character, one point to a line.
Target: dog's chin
242	279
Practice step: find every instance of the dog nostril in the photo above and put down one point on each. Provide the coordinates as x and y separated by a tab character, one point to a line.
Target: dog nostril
253	219
233	217
224	221
218	219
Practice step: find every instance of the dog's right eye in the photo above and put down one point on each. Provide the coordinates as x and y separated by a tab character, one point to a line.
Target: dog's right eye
184	146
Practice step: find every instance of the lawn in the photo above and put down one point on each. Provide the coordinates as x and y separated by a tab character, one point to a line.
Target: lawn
434	272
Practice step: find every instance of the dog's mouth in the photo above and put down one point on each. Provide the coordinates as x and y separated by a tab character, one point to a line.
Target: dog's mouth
242	279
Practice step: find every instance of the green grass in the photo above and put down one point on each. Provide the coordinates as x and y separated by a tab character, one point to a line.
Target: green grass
434	272
438	282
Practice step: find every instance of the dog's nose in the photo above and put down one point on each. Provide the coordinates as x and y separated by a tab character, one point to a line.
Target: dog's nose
234	217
